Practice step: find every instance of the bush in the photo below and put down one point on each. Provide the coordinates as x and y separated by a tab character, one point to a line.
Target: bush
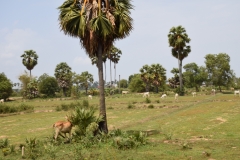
150	106
123	140
131	106
148	100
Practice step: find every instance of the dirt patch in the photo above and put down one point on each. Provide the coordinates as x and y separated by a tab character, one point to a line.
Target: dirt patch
219	120
37	129
197	138
4	136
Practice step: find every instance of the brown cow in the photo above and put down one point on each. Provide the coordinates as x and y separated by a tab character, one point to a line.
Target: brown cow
63	127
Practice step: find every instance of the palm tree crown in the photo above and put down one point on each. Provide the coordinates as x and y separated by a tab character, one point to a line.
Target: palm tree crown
29	59
94	23
178	39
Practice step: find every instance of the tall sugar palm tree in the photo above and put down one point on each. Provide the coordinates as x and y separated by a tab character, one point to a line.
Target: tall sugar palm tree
115	58
178	39
29	59
146	76
97	25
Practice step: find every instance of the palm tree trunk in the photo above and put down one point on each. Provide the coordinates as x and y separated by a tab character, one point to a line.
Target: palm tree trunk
102	109
110	74
180	74
30	74
105	73
115	73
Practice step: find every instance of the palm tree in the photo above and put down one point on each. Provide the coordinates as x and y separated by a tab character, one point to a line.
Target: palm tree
97	26
159	75
29	59
146	76
178	39
115	58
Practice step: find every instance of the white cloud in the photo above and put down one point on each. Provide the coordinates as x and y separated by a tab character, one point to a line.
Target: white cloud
81	61
14	43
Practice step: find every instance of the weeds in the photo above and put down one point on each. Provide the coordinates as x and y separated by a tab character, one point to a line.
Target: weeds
148	100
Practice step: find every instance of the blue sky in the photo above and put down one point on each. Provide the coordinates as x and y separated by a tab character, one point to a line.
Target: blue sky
213	27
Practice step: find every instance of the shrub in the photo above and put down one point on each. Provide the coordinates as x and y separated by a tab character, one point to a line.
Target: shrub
131	106
148	100
4	108
151	106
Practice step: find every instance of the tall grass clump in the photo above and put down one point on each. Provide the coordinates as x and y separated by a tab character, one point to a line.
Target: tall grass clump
6	148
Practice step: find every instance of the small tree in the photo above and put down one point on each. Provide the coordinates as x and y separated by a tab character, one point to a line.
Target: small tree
5	87
25	79
85	79
63	75
219	71
48	85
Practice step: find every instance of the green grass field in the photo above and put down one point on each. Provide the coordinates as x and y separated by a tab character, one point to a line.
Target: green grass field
201	127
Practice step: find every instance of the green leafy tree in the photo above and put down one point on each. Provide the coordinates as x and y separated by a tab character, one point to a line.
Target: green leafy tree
32	89
25	79
136	84
5	87
97	26
47	85
85	80
178	39
194	75
29	60
63	75
219	71
123	83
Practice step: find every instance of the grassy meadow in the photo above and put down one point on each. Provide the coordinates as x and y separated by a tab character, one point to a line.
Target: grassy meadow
201	127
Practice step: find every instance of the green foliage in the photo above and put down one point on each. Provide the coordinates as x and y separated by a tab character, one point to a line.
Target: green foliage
63	75
123	83
5	108
136	84
151	106
131	106
219	71
25	79
32	89
48	86
147	100
194	75
33	148
71	106
5	87
82	117
4	143
123	140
